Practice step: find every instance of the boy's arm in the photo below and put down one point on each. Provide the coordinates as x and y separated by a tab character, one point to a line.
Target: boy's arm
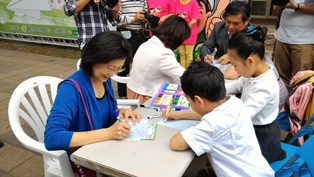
185	114
177	143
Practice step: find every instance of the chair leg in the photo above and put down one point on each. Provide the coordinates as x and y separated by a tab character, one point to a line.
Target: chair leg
1	144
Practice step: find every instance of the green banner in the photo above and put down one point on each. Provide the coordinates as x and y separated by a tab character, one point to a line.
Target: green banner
36	17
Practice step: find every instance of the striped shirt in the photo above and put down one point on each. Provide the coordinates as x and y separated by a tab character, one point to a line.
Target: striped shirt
92	19
128	10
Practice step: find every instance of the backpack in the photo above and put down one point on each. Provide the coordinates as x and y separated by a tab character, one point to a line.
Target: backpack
298	106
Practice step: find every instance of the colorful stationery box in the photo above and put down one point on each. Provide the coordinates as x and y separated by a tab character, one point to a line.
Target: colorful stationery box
170	95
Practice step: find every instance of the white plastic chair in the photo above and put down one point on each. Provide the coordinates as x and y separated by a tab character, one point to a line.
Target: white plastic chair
120	79
32	101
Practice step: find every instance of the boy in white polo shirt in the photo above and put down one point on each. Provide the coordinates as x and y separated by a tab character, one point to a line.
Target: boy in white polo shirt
225	132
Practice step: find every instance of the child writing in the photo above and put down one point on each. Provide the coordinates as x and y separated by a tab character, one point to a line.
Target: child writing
259	88
189	10
225	132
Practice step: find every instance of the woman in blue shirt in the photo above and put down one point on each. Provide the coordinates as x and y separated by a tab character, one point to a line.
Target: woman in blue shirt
68	125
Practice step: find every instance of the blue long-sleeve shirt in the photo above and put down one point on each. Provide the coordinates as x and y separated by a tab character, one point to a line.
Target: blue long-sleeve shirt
68	114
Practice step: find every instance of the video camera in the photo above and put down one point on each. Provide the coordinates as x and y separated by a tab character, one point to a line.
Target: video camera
279	2
148	16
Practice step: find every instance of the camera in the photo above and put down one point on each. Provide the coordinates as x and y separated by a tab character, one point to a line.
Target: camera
279	2
148	16
111	3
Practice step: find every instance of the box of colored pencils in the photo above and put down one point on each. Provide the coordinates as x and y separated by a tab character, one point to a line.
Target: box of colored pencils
170	95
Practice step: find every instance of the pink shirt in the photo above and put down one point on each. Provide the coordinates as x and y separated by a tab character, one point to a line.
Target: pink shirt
188	11
159	8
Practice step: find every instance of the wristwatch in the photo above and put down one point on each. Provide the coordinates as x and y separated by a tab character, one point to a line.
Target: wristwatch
297	8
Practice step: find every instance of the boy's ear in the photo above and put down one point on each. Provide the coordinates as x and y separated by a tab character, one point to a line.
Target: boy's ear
199	101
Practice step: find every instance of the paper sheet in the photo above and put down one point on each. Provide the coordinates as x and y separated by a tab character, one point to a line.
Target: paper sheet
142	130
178	124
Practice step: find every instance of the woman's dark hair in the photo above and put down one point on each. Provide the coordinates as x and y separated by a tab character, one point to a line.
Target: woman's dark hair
238	7
204	80
173	31
249	42
103	48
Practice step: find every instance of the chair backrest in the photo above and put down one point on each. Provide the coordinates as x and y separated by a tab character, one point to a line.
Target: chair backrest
120	79
298	162
306	153
32	101
305	129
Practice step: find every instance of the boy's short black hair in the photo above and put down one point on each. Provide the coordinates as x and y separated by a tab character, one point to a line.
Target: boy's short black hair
103	48
203	80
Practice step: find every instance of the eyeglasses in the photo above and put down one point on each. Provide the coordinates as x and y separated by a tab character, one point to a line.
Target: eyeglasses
113	70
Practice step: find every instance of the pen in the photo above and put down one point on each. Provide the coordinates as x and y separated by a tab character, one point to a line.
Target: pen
167	111
117	116
154	116
208	52
151	107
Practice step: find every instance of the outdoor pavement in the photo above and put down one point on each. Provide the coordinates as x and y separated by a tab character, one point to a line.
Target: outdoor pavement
15	67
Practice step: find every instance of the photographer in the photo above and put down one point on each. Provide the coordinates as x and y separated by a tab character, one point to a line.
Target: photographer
132	25
91	17
294	50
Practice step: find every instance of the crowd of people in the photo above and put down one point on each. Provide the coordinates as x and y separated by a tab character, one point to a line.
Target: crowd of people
234	132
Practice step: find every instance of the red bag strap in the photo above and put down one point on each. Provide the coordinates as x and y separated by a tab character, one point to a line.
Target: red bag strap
86	110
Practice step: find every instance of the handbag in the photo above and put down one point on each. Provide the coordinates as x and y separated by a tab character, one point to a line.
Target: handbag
80	171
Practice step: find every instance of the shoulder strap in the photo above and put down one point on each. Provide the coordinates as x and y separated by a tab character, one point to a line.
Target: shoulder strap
86	110
303	79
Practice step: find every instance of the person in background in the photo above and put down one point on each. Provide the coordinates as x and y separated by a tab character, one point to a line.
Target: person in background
294	50
161	9
258	87
91	17
68	125
237	18
132	24
189	10
225	132
155	63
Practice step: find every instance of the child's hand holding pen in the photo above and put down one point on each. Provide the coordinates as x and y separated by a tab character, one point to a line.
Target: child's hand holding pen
169	113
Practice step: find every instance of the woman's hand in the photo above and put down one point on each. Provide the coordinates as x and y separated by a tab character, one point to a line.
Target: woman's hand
119	130
126	114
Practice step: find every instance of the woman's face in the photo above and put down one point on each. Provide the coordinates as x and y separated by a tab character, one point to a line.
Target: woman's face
242	67
102	72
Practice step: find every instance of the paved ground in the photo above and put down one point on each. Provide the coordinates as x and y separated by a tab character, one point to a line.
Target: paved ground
15	67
